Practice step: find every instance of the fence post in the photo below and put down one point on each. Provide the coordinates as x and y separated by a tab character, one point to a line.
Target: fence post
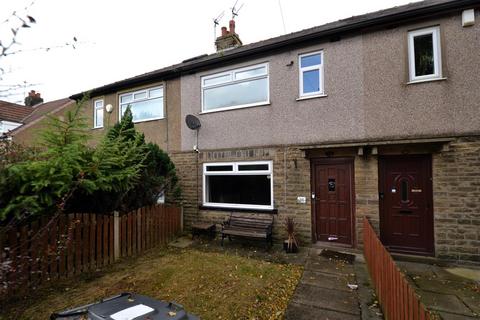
116	235
181	219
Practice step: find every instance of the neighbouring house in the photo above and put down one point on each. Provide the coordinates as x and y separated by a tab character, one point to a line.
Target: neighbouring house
34	121
373	116
12	115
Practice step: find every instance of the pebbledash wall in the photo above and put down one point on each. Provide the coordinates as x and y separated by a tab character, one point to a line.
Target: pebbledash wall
360	105
456	191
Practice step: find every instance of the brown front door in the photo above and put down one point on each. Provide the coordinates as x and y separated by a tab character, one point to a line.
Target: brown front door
406	213
332	181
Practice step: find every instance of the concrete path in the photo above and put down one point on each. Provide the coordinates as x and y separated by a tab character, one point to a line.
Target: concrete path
323	291
448	294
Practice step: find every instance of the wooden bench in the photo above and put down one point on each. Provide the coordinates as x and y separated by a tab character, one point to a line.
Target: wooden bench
248	226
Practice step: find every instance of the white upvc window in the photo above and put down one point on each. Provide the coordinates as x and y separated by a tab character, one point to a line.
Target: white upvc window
243	185
239	88
98	113
424	54
145	104
311	74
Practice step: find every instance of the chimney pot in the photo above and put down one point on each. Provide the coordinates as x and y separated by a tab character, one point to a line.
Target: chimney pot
224	31
232	26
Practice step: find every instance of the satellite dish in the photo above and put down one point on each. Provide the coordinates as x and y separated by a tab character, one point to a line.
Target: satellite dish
192	122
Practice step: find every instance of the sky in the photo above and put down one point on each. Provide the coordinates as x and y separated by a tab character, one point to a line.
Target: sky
118	39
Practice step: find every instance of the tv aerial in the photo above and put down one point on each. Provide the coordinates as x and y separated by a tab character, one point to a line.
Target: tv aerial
235	11
216	22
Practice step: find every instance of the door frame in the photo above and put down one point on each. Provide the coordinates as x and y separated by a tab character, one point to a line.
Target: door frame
429	193
325	161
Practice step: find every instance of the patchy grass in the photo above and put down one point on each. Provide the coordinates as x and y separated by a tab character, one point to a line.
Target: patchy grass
212	285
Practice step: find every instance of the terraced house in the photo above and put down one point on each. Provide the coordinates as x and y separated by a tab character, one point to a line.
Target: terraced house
377	115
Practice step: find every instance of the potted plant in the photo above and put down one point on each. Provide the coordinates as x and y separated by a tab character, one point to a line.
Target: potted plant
291	244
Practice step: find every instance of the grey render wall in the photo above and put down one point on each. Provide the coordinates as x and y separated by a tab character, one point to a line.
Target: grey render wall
367	94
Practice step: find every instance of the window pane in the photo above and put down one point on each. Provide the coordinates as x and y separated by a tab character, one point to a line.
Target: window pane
126	98
155	93
216	80
99	104
250	73
253	190
99	117
236	94
148	109
311	81
140	95
423	47
252	167
404	190
220	168
312	60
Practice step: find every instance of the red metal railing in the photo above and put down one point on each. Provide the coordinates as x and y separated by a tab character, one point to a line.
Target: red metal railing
395	294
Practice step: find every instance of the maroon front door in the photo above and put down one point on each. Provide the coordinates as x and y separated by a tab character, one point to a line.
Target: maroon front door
406	213
332	181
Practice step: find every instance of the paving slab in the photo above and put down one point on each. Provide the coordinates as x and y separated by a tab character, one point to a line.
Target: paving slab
329	299
452	316
298	311
326	280
444	302
329	266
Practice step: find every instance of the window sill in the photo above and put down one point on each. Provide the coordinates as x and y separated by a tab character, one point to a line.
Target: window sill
96	128
237	107
272	211
426	80
311	97
148	120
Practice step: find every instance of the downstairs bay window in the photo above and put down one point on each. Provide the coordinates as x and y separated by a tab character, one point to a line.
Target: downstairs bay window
243	185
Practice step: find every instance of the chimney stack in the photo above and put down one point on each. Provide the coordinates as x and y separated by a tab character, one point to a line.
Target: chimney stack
33	99
229	39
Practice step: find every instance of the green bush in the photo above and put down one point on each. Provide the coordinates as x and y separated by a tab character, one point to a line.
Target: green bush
122	172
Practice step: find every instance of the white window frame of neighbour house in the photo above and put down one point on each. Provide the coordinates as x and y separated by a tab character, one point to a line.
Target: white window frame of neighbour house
236	172
147	98
229	79
318	67
437	55
97	105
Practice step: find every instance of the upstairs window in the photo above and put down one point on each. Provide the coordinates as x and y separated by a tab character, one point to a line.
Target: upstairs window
247	185
424	54
311	74
237	88
98	113
145	104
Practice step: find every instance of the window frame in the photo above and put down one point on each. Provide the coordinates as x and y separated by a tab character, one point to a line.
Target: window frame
95	108
319	67
133	93
437	53
232	80
236	172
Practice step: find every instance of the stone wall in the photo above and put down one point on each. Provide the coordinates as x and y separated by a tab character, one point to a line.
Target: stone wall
456	198
291	178
456	192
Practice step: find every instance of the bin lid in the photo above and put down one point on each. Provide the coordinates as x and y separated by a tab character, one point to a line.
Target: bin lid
127	306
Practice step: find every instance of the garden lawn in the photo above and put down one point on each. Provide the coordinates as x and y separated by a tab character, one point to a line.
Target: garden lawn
211	285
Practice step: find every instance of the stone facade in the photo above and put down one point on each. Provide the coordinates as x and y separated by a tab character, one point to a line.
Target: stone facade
456	197
456	186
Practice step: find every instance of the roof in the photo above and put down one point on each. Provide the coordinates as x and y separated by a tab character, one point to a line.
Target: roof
40	110
13	112
361	23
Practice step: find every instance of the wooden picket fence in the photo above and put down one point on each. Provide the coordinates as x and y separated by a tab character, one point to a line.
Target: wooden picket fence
396	296
71	244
